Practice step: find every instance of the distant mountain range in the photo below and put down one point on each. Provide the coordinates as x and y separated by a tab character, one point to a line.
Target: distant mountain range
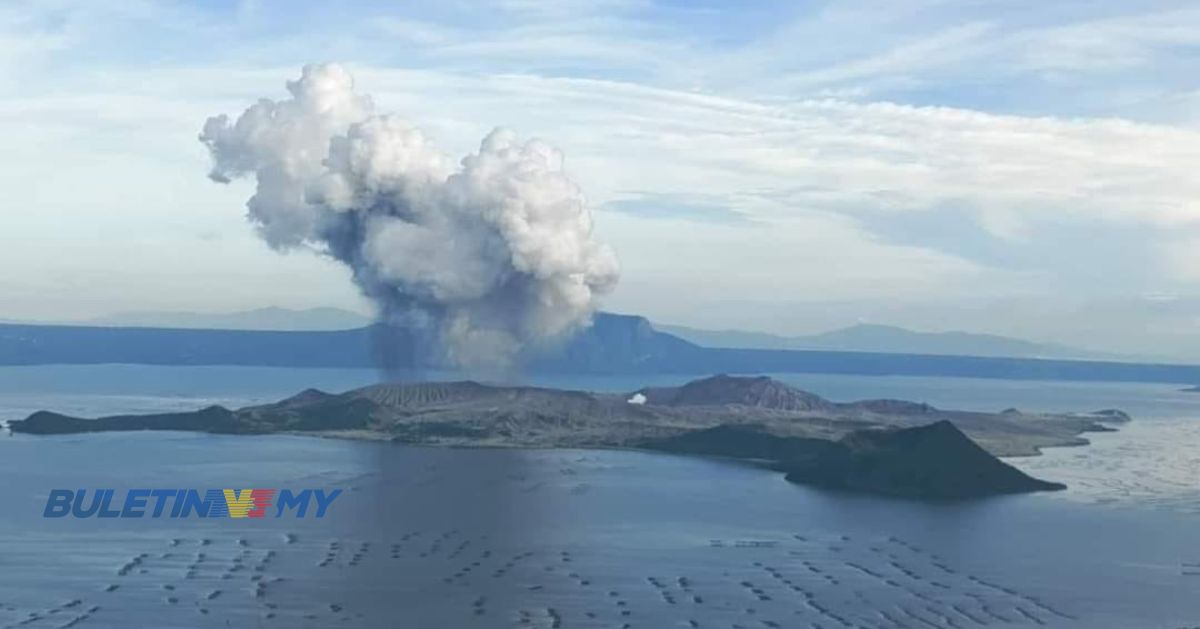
613	345
857	338
270	318
1151	341
885	338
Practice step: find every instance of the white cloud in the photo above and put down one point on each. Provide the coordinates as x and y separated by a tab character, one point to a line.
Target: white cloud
835	154
1114	43
650	102
802	171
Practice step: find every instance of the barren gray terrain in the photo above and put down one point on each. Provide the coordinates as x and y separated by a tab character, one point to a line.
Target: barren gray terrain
888	447
470	413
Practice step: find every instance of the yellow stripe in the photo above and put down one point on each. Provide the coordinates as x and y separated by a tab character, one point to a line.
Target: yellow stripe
239	503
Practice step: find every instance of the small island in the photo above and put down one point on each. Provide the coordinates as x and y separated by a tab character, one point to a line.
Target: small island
888	447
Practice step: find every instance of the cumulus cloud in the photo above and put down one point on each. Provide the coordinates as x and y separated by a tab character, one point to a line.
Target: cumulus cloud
488	256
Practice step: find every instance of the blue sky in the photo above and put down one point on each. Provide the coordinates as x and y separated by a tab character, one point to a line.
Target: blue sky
1024	168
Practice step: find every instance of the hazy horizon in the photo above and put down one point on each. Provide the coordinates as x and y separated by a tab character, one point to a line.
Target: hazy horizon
853	336
1021	173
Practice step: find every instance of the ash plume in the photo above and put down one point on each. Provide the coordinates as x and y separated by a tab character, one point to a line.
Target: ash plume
486	257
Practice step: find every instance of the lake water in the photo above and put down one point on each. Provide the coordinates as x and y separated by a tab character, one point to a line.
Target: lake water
431	538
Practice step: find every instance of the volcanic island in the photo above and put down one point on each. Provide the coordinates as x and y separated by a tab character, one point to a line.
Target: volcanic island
886	447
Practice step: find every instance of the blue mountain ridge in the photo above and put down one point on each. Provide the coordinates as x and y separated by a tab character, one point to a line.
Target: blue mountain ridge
613	345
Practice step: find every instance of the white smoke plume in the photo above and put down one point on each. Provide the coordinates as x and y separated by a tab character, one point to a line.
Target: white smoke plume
489	257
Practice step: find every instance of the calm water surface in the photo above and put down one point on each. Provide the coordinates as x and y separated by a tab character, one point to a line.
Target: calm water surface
485	538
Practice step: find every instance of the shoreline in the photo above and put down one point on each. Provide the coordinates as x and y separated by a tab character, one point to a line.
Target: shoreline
883	446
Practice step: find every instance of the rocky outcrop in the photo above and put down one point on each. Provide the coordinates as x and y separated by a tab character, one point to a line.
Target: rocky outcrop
931	462
212	419
759	392
936	461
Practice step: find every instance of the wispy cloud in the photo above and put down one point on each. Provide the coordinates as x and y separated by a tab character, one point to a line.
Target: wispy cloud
935	149
679	207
